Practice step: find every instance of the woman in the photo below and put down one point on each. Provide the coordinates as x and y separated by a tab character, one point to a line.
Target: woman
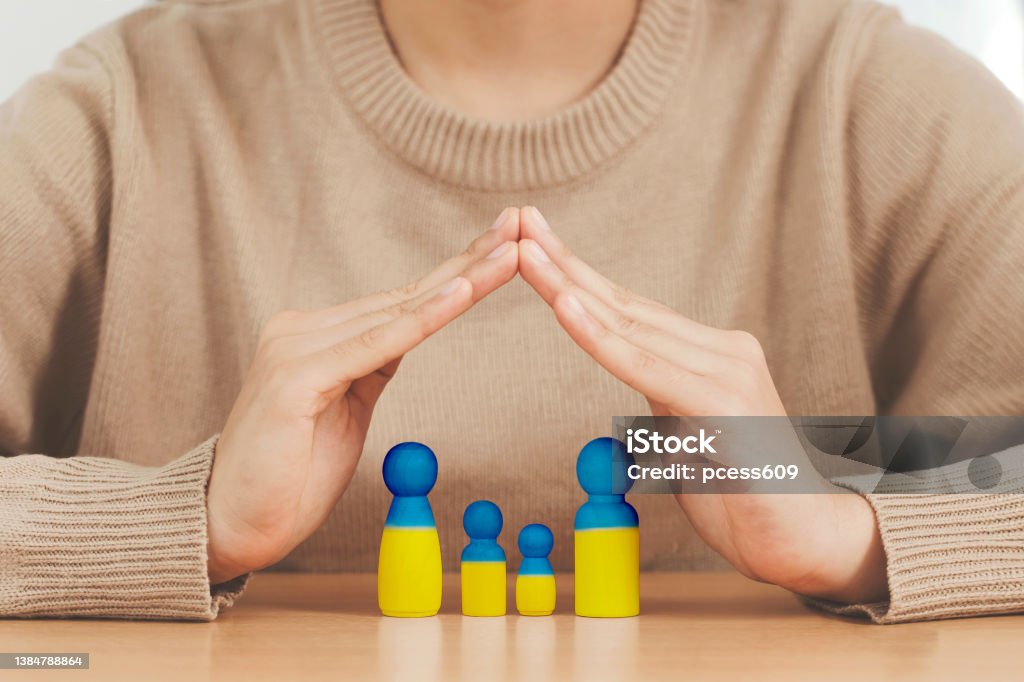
845	189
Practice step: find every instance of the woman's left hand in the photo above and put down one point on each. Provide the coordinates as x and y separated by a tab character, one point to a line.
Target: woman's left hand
824	545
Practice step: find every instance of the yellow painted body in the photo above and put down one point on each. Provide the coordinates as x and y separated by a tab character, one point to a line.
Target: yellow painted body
607	572
409	572
535	594
483	588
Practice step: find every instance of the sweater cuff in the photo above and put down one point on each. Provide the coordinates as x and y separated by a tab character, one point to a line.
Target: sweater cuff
97	537
948	554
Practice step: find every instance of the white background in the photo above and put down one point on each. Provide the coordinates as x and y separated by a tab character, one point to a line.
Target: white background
32	32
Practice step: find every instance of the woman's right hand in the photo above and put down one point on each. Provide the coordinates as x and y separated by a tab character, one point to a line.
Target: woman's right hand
296	431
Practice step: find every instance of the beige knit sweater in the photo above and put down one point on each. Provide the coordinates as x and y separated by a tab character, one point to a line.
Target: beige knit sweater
847	188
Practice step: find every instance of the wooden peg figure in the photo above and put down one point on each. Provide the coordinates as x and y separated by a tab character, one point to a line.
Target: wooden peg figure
409	568
483	561
535	583
607	534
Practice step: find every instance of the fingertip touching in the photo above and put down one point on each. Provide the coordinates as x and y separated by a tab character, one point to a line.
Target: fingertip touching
533	221
508	223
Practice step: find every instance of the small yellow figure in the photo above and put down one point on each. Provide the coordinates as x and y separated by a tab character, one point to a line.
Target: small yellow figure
483	561
409	568
535	583
607	534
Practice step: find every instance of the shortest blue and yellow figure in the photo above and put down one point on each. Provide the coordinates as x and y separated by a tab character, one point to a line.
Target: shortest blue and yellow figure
483	561
535	584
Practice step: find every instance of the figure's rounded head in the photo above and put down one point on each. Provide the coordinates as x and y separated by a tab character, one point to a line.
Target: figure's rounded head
410	469
602	467
482	520
536	540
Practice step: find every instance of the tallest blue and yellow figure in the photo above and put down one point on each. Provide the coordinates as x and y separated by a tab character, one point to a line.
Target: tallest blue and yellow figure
409	570
607	534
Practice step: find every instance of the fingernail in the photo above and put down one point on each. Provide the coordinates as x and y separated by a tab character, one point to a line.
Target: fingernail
539	218
498	252
539	252
451	287
500	220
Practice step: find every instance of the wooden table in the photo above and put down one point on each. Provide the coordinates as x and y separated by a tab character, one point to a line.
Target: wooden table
699	626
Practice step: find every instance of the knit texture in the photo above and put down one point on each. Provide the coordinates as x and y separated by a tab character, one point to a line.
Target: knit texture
496	156
948	554
848	189
98	537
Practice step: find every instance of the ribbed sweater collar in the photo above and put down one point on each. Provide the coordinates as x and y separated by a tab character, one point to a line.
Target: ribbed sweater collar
510	156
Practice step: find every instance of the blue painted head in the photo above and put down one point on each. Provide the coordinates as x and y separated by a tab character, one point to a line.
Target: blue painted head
602	465
482	520
410	469
536	540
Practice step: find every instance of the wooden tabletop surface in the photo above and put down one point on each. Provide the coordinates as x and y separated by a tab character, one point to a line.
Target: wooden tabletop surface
699	626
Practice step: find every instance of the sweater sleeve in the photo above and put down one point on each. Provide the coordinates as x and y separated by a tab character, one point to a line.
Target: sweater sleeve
56	199
936	150
950	552
88	536
79	536
936	192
